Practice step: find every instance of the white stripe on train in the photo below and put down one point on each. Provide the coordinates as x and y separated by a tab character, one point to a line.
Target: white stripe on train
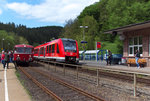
57	58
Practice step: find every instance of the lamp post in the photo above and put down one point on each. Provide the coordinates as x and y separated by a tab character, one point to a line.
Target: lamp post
3	43
84	42
8	46
84	31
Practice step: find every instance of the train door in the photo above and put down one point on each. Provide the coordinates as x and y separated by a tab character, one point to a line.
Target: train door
47	50
50	50
57	49
38	52
53	49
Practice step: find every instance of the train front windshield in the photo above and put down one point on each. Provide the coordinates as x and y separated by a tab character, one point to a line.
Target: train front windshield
24	50
69	45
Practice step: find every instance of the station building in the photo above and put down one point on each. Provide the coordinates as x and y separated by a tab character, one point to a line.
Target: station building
135	36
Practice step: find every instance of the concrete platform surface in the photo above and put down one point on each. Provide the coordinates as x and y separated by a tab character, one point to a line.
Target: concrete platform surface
102	64
16	91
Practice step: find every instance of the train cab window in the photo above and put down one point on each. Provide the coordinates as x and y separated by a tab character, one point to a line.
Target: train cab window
47	49
50	48
69	45
53	48
57	49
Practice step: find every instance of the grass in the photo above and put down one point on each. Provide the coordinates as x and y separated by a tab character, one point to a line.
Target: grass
110	46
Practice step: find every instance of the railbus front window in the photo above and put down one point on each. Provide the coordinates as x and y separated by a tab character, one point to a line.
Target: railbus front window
69	45
28	50
20	50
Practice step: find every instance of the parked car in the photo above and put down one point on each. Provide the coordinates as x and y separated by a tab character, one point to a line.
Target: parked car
116	58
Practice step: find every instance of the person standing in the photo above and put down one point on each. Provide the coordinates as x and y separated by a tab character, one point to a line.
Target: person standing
137	56
11	56
3	59
7	59
109	57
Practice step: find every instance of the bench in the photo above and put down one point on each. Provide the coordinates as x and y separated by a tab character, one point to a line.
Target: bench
142	62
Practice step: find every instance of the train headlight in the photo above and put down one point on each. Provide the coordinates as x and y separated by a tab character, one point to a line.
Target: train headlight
18	55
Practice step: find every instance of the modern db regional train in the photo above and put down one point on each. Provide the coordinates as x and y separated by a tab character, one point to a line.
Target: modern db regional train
23	54
62	50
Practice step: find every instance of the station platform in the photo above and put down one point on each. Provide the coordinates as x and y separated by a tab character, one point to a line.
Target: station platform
10	87
102	64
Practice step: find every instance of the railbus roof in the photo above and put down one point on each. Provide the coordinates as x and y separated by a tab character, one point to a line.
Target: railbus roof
23	45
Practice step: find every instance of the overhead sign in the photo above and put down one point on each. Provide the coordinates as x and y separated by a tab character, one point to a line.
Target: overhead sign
98	44
84	42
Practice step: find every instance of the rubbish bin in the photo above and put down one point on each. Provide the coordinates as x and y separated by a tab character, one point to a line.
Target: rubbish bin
123	60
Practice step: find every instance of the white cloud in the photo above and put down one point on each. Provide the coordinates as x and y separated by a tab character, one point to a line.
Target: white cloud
2	6
51	10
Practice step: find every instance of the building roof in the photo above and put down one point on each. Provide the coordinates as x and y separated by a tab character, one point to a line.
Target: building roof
130	27
89	51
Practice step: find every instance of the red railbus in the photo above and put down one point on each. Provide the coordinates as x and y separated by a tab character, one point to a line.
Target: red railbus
23	54
62	49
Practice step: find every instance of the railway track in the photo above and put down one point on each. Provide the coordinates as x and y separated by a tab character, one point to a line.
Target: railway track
90	77
65	91
114	75
54	96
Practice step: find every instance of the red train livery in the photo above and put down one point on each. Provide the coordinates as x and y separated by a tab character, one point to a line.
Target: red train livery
64	50
23	54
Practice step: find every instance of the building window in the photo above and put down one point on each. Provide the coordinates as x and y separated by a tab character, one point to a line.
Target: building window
149	45
134	44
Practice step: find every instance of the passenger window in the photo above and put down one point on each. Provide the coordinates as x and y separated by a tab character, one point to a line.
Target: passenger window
57	49
49	48
53	48
42	50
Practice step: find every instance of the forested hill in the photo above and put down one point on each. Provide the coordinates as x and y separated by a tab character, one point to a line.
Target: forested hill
43	34
105	15
34	36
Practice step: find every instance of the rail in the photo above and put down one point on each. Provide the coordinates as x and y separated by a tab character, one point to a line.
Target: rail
41	86
100	69
70	86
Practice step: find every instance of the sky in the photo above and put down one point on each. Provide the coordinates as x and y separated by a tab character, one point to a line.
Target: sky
38	13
